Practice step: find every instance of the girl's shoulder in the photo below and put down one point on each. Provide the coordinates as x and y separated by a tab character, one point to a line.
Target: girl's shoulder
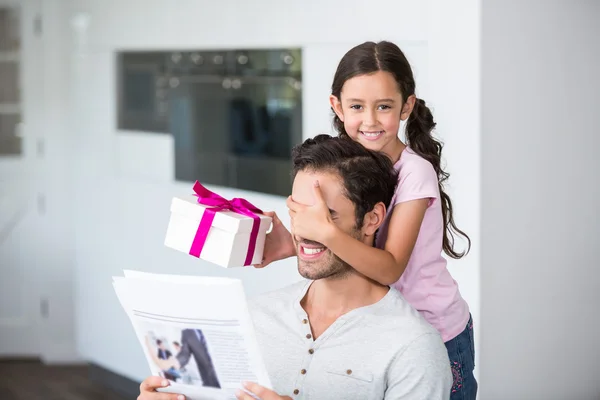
414	167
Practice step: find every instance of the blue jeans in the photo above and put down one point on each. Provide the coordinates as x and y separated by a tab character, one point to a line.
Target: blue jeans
461	351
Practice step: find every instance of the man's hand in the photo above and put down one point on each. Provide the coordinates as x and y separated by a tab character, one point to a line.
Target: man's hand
149	386
312	222
259	392
278	243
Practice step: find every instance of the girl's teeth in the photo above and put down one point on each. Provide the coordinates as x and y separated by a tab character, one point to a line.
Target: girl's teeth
372	134
312	251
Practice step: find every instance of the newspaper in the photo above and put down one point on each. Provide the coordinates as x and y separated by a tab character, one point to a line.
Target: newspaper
195	331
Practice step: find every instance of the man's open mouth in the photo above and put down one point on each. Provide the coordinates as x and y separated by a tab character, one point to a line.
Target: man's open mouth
311	250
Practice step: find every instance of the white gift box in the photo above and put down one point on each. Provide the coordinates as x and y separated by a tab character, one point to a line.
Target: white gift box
228	238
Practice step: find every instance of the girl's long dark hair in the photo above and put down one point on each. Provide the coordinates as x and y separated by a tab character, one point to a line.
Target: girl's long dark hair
371	57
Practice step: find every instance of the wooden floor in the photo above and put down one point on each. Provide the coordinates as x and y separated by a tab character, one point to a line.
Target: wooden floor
31	380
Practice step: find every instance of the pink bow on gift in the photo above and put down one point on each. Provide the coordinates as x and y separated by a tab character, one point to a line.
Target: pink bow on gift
216	204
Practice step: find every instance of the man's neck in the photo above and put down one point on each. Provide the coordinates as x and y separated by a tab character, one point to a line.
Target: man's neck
330	298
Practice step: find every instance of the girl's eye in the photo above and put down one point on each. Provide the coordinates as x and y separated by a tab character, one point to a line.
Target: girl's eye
355	107
384	107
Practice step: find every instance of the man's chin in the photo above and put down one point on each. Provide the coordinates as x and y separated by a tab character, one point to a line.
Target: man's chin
316	271
330	275
311	271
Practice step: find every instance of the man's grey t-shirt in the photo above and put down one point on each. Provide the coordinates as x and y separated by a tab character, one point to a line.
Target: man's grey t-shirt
382	351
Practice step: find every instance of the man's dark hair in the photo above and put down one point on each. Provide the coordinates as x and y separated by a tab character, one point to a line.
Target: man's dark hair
368	176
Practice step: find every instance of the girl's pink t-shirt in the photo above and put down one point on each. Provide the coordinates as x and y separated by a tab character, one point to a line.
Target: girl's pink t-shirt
426	283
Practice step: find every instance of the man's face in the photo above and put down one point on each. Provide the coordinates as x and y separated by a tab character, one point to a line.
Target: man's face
314	260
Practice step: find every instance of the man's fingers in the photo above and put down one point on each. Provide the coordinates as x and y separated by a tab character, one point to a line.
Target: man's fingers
275	221
258	390
160	396
264	263
148	390
152	382
241	395
168	396
275	218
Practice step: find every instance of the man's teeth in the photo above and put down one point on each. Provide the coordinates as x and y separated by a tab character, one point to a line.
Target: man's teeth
312	251
372	134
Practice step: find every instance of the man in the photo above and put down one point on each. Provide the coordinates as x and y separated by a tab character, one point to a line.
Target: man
194	343
340	335
163	353
177	347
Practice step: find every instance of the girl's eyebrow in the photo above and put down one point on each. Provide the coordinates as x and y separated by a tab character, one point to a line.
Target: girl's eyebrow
377	101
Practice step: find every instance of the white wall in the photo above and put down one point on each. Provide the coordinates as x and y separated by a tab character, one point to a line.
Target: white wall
37	257
56	262
121	183
540	194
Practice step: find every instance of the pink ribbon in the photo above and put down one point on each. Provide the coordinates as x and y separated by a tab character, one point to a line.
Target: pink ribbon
216	204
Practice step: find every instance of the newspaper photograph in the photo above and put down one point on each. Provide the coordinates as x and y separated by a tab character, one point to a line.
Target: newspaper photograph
196	332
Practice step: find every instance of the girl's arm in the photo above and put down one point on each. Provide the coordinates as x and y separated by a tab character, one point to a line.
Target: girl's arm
384	266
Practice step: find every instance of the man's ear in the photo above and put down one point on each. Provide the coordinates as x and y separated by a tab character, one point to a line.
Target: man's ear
336	105
373	219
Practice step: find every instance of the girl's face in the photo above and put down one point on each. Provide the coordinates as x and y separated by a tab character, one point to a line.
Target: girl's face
371	108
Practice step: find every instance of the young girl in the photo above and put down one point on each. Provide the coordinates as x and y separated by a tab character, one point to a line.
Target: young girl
372	91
